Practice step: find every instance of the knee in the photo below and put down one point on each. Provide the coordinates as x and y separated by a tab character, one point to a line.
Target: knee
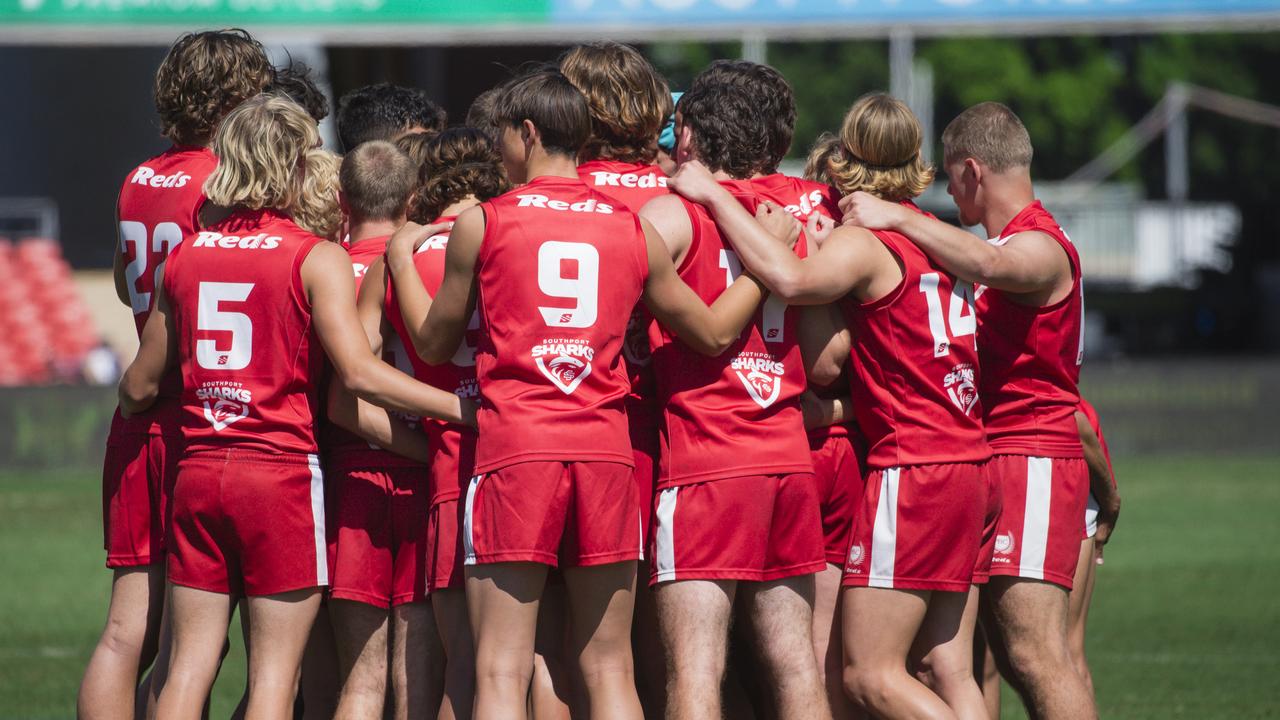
869	687
1041	658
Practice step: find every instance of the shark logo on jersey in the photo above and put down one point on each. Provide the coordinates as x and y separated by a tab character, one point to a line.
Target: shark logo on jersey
761	375
961	386
566	363
224	403
635	343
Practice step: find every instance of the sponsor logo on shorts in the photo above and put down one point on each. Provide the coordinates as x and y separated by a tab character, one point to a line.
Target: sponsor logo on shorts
961	386
761	375
1004	543
225	402
857	554
584	206
150	178
261	241
565	362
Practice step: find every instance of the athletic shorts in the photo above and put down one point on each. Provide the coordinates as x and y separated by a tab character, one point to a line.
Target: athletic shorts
1090	517
645	453
1044	499
138	472
444	545
918	528
982	571
839	477
554	513
380	527
755	528
248	523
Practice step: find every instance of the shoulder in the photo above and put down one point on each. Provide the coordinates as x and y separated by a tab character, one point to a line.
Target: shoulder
663	205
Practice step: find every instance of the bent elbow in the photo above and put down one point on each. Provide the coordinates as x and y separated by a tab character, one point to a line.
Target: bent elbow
434	354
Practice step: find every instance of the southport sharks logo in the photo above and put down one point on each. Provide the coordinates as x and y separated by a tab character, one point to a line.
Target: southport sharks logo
224	403
962	387
565	362
761	375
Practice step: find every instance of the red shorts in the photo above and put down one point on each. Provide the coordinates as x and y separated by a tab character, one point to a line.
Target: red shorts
380	527
138	472
918	528
444	545
1038	535
555	513
982	571
248	523
756	528
839	478
645	452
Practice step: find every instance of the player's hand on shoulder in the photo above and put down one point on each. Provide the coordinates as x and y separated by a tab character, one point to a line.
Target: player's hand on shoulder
818	228
406	241
694	182
780	223
866	210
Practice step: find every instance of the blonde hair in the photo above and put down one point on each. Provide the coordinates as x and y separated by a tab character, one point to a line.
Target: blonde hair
990	133
261	148
878	151
317	210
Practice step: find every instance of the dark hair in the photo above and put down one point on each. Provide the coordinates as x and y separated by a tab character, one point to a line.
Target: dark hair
296	81
628	100
480	114
552	104
204	76
458	162
742	114
383	111
377	180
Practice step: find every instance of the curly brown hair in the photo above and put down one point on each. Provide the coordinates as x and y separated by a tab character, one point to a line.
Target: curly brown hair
628	100
458	162
742	115
204	76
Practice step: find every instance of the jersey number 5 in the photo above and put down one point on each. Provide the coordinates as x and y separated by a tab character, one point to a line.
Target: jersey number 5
584	290
209	316
960	316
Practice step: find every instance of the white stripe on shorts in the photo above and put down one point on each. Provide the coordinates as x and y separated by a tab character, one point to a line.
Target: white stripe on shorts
665	533
884	531
468	540
640	527
1035	520
1091	516
317	519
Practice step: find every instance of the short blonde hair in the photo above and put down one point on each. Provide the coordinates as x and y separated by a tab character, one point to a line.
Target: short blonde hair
317	210
377	180
990	133
261	148
878	151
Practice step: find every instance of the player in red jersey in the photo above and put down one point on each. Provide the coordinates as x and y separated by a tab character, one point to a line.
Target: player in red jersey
246	308
917	535
1030	311
553	482
734	441
1100	519
203	76
629	102
460	169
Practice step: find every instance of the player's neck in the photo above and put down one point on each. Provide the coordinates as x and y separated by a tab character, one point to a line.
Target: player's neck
456	209
543	164
364	230
1007	196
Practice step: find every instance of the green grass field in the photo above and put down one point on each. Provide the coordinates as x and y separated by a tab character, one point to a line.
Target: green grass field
1185	621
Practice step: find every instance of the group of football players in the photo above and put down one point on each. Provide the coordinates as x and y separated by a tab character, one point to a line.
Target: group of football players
582	409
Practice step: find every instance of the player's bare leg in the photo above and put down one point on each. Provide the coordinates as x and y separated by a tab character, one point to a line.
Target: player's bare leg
280	625
127	645
781	616
502	601
651	668
551	692
321	677
827	648
880	626
601	600
450	607
693	618
1078	609
985	671
361	633
942	654
417	662
1031	617
200	620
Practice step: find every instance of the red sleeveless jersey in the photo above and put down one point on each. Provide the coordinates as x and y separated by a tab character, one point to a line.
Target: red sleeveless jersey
158	206
737	414
559	271
339	442
248	351
1031	358
1096	423
915	362
633	185
453	447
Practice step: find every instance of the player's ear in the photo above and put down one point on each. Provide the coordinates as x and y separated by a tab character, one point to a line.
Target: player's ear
684	143
973	169
529	133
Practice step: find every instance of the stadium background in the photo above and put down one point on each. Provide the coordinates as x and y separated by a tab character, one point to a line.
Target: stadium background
1156	125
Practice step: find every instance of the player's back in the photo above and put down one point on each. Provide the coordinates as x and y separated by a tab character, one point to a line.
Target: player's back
248	351
1031	357
626	183
915	359
559	270
736	414
797	196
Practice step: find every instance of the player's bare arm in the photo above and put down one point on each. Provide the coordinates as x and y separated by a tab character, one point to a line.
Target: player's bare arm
822	412
708	330
157	352
369	305
436	325
327	280
117	266
1101	482
825	343
1029	262
668	216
